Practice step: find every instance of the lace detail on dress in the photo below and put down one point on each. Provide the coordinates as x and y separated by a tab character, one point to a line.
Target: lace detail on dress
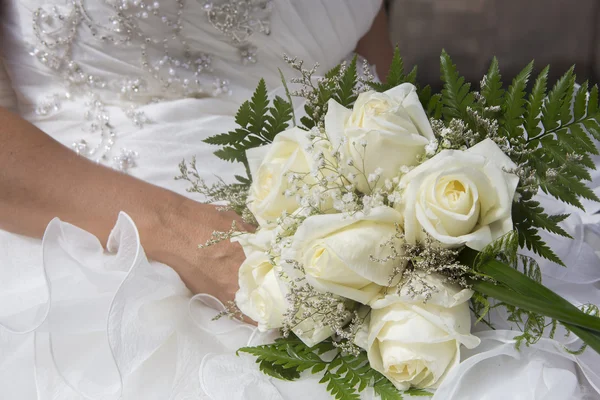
169	65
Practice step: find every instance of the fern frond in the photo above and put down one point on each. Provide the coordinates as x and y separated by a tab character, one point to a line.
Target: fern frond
456	95
258	123
553	106
535	103
492	90
514	104
346	94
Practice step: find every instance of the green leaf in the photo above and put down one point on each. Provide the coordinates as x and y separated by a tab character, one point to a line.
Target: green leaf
287	354
584	144
386	390
277	120
529	238
338	387
553	106
412	76
534	104
258	107
345	95
418	393
492	90
456	96
579	106
242	117
230	154
517	290
592	105
531	212
530	295
259	124
567	104
242	180
396	75
229	138
591	126
514	104
279	372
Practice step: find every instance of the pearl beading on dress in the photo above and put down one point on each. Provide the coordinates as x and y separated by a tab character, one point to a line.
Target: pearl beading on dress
179	69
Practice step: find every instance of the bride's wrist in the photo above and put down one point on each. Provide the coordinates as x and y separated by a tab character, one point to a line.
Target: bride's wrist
164	228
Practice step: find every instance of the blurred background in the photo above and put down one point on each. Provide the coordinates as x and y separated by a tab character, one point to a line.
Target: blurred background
556	32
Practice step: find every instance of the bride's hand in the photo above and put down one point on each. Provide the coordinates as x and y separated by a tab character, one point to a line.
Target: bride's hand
41	179
212	270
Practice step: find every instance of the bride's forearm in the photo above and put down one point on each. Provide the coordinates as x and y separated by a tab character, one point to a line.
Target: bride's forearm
40	179
376	46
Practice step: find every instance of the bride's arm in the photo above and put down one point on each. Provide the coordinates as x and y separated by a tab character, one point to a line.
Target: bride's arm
376	46
41	179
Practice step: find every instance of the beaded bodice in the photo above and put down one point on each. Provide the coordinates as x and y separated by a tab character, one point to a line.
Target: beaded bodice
111	61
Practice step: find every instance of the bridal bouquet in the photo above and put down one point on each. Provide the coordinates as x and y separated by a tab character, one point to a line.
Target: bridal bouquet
388	214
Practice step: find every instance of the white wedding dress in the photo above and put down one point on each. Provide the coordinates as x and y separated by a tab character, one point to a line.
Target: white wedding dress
138	85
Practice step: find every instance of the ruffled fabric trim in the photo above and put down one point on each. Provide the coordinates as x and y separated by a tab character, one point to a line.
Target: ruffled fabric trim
116	326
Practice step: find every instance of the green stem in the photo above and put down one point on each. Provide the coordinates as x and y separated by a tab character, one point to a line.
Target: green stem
247	166
558	128
543	307
288	94
520	282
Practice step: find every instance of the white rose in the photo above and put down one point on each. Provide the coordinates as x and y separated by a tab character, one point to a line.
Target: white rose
270	167
336	251
415	344
460	197
259	296
392	125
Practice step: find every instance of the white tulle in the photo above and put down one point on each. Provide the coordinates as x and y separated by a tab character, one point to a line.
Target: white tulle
78	321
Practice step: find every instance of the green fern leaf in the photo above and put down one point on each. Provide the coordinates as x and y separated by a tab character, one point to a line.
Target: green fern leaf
356	369
591	126
565	112
242	117
579	106
278	119
339	387
333	72
396	74
418	393
528	217
345	95
514	104
456	95
258	108
582	143
534	104
259	124
412	76
592	105
492	90
425	95
529	238
386	390
554	104
230	154
228	138
279	372
286	355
